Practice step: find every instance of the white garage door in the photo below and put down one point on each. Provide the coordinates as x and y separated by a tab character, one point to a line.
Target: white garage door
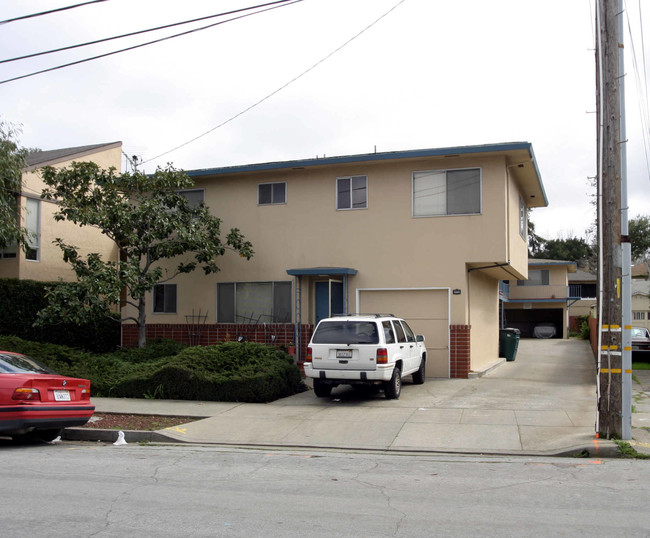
425	310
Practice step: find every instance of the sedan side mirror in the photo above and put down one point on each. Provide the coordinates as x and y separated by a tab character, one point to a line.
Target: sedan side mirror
419	338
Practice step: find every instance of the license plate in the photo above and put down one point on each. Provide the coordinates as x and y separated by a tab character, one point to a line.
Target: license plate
62	395
343	353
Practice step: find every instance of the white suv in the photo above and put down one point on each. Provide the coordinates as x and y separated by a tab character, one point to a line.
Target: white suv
364	349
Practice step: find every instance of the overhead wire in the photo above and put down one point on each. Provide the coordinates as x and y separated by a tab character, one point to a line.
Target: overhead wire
22	17
642	90
282	3
130	34
268	96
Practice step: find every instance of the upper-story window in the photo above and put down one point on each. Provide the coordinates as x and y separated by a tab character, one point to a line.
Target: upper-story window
194	197
352	192
523	220
33	227
536	277
446	192
272	193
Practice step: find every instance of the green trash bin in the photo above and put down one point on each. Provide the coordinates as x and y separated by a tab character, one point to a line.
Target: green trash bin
508	343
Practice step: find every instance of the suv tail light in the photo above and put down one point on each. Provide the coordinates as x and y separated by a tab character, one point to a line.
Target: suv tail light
26	393
382	356
308	357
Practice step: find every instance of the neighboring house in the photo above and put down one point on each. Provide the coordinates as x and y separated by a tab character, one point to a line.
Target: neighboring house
641	295
544	297
43	260
585	286
641	303
425	234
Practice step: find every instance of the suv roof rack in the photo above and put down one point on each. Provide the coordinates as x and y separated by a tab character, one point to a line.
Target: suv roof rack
365	315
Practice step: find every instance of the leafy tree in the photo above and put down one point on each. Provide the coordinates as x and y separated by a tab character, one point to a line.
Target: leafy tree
12	162
639	231
535	242
149	221
573	249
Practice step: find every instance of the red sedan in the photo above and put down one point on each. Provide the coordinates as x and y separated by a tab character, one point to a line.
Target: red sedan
36	403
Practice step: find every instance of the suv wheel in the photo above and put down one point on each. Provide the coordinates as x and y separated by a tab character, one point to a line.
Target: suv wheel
418	377
322	389
393	387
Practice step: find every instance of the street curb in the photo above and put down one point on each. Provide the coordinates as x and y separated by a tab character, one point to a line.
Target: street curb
110	436
599	448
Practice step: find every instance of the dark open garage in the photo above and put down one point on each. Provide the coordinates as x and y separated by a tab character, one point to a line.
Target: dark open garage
526	319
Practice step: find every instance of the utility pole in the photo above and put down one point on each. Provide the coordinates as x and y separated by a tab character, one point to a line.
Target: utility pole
614	362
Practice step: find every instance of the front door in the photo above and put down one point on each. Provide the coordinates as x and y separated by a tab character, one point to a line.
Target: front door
329	299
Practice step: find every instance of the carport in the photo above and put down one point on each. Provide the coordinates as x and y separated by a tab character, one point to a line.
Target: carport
526	319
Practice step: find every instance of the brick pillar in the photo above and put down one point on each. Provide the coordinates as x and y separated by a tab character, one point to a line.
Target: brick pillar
459	353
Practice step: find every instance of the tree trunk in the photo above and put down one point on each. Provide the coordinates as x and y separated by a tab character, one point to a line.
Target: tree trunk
142	323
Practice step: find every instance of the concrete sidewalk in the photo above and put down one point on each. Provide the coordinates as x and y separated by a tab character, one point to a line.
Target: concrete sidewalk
543	403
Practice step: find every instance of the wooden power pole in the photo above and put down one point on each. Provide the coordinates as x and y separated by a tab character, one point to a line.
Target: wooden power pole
611	371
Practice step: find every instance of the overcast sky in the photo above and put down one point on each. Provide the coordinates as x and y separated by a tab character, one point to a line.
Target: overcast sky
429	74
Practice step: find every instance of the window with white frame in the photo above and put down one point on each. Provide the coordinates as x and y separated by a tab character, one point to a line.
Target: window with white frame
33	227
638	315
194	197
352	192
446	192
164	298
536	277
523	220
272	193
254	302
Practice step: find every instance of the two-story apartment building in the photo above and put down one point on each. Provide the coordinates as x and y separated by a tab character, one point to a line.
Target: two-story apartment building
425	234
545	297
43	260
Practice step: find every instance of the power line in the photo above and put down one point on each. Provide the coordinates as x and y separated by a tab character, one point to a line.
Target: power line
283	3
281	87
70	47
50	11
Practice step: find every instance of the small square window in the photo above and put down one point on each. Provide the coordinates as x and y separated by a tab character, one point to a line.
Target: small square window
352	192
164	298
194	197
272	193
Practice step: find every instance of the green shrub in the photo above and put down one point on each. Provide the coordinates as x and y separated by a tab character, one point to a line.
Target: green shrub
230	372
583	322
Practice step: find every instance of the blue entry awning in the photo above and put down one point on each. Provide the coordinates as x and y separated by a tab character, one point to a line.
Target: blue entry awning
325	271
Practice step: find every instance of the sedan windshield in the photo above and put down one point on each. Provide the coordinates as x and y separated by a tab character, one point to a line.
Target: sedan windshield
346	332
20	364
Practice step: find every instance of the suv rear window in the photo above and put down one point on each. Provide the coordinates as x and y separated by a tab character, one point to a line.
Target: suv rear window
346	332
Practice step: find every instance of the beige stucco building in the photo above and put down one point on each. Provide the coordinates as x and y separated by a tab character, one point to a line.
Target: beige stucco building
545	297
43	260
425	234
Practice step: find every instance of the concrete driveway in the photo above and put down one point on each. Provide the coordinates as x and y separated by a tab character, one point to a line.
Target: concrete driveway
544	402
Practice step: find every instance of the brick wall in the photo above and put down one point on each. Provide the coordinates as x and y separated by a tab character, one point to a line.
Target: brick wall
460	351
279	334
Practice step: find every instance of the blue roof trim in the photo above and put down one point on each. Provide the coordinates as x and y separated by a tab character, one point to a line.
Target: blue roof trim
550	262
541	185
557	300
408	154
311	271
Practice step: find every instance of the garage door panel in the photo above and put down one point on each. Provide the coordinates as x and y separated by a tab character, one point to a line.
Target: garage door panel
425	311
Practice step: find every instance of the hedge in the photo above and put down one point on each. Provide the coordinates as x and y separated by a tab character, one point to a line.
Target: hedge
20	302
229	372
